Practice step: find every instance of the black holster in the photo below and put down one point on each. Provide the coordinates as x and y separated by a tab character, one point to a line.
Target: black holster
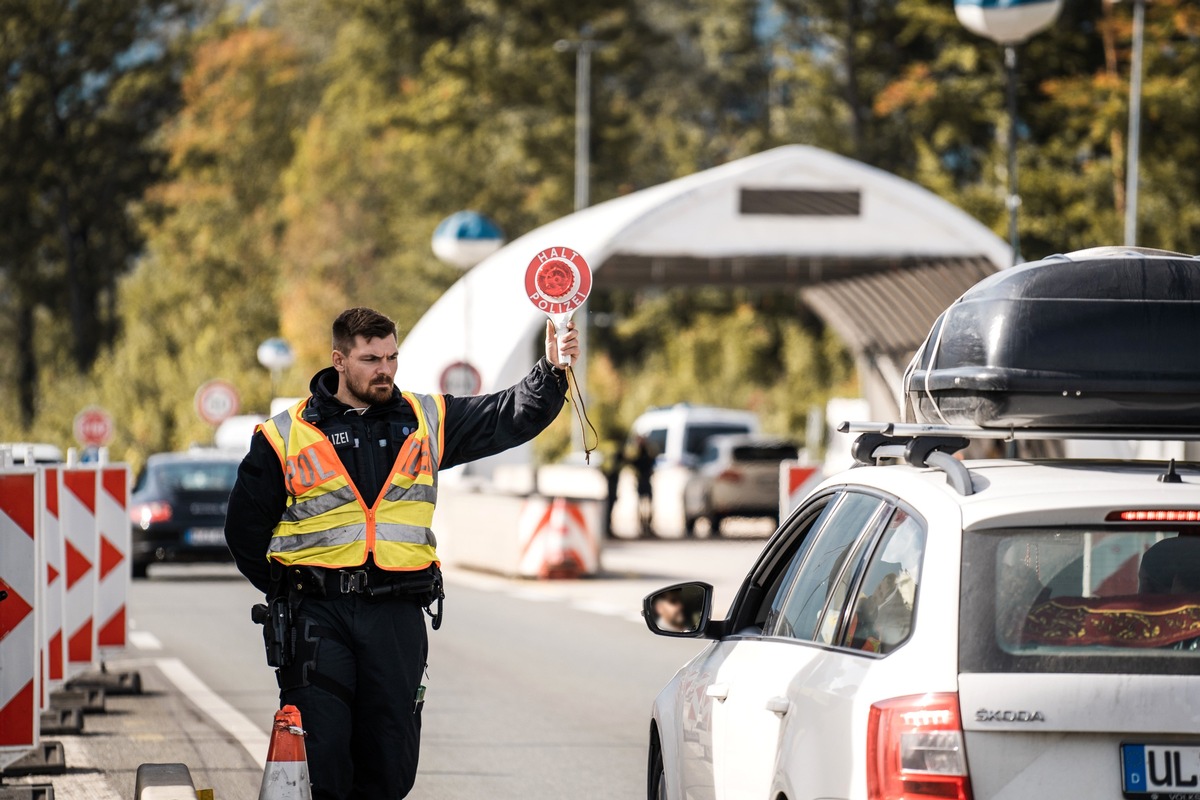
279	634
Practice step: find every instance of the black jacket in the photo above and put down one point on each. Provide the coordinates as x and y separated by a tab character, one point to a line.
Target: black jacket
475	427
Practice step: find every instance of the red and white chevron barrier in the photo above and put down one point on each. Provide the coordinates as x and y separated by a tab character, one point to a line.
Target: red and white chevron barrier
19	507
78	487
796	480
112	518
54	587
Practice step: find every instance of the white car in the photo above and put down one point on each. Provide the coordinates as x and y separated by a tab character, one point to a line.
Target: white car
738	476
999	629
899	639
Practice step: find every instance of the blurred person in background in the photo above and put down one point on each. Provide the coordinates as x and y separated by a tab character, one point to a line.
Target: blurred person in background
642	462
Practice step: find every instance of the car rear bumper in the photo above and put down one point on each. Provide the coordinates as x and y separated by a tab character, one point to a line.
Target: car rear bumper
171	544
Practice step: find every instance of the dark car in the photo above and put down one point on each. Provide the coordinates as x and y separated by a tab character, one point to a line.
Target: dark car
178	508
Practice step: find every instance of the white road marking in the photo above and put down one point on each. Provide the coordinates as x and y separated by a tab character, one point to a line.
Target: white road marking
534	596
144	640
599	607
234	722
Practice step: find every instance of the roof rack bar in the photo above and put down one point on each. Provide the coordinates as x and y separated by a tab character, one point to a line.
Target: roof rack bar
957	474
1011	434
889	451
930	452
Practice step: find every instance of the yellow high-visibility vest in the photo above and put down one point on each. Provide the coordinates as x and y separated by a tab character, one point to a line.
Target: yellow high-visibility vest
327	522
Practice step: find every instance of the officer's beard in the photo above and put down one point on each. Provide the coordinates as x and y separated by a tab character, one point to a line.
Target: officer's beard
370	392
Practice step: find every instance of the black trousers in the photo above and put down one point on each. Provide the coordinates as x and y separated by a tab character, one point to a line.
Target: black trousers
358	665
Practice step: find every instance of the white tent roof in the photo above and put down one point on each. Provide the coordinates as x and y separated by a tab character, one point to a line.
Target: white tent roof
486	320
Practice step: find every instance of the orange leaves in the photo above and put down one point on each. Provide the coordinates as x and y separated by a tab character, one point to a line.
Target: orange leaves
916	87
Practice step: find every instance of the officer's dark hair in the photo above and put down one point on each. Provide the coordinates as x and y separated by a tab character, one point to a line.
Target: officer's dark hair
365	322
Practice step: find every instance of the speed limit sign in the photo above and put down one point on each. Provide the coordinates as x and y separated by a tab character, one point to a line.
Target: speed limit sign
216	401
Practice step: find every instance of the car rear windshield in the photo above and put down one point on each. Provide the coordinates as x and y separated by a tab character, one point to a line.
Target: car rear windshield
196	476
1081	600
765	452
696	435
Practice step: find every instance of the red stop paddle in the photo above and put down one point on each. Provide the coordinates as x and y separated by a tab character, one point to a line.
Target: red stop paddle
557	281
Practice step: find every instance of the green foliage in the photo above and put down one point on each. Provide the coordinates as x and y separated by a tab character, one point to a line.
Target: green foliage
317	143
85	86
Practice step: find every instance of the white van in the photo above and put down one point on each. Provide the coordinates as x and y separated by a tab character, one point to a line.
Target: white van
679	433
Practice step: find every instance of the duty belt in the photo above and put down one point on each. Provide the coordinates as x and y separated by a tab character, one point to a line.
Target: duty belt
374	583
335	582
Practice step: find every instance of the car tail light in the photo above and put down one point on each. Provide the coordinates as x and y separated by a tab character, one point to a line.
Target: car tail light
730	476
915	749
146	514
1155	515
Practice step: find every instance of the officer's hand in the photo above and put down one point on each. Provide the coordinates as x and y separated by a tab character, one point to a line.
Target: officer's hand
570	344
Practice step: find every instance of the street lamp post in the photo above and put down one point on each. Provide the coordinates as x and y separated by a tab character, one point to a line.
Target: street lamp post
1014	195
583	47
1135	124
1008	24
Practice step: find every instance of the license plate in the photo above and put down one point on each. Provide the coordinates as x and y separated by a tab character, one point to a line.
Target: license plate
1161	770
206	537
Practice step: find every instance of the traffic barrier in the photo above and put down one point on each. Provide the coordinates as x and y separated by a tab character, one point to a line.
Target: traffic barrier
556	540
51	572
796	480
112	519
19	584
77	519
286	775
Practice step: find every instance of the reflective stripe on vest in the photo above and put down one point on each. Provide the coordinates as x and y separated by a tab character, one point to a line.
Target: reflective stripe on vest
328	524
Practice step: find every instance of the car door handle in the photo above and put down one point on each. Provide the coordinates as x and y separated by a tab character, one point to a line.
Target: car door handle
779	705
718	691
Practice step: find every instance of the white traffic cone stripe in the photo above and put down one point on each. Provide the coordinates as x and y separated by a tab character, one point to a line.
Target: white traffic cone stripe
286	780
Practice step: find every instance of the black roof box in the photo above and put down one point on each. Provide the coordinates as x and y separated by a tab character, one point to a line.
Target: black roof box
1108	337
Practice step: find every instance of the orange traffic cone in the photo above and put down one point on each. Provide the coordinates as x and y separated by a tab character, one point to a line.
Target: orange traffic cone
286	776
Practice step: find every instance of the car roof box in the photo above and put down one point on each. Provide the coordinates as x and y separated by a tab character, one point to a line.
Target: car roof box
1101	338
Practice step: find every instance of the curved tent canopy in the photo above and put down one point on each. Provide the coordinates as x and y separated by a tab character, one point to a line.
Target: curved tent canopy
875	256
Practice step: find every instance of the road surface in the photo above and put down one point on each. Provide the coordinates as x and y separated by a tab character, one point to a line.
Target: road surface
535	689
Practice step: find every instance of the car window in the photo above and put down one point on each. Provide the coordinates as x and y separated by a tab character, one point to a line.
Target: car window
790	556
882	617
711	453
196	476
658	441
696	435
816	575
1086	599
765	452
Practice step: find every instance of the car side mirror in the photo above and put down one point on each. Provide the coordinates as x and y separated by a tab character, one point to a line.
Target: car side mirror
680	611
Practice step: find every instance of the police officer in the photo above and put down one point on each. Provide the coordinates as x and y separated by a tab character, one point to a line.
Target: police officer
330	518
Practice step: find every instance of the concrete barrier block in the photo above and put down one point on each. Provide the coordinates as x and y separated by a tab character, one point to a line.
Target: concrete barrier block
164	782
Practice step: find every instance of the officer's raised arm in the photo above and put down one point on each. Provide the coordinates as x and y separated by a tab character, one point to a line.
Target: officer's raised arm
482	426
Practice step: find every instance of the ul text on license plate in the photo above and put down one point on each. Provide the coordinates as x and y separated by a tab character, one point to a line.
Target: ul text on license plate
1162	770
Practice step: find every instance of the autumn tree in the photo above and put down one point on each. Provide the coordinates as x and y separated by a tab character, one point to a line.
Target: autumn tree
205	293
85	87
